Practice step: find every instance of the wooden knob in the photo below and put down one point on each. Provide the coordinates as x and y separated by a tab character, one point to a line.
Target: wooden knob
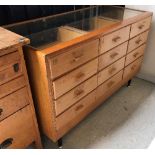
113	55
138	41
141	26
78	92
133	67
135	54
80	75
110	83
1	111
116	39
79	107
112	70
77	57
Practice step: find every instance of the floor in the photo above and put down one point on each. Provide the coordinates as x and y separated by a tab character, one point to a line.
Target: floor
125	121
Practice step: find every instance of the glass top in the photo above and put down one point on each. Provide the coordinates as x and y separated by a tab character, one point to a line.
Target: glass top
48	31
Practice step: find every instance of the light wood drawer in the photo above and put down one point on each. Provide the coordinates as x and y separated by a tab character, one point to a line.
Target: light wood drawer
9	59
113	39
109	84
74	95
140	27
132	69
12	86
135	54
73	58
8	49
13	102
76	113
110	71
11	72
74	78
112	55
17	130
137	41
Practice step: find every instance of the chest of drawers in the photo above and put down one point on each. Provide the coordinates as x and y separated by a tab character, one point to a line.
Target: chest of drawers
18	124
71	78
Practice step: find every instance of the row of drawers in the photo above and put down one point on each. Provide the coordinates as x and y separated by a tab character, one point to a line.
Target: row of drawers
81	90
77	56
86	104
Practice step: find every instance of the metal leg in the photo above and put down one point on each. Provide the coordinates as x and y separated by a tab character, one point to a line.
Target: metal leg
129	83
60	143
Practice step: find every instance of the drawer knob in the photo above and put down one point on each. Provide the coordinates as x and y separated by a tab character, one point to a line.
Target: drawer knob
77	58
112	70
141	26
113	55
79	107
78	92
116	39
133	67
135	54
138	41
80	75
110	83
16	67
1	111
6	143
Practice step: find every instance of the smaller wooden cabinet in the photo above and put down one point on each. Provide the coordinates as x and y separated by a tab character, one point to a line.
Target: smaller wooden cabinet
18	123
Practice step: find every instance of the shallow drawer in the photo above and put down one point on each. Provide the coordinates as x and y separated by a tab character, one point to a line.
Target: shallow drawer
73	58
112	55
76	113
74	95
132	69
74	78
11	72
12	86
13	102
140	26
113	39
135	54
8	49
137	41
17	130
109	84
9	59
110	71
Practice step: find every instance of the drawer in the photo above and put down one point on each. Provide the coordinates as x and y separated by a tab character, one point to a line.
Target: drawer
6	50
76	113
11	72
74	95
113	39
112	55
109	84
17	131
12	86
73	58
13	102
132	69
9	59
111	70
137	41
135	54
74	78
140	26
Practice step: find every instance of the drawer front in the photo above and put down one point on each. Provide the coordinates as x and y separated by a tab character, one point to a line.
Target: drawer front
110	71
132	69
137	41
12	86
7	50
113	55
109	84
73	58
11	72
74	95
9	59
140	27
74	78
13	102
113	39
135	54
17	130
76	113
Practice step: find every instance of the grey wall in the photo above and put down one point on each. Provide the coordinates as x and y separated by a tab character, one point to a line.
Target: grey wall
147	71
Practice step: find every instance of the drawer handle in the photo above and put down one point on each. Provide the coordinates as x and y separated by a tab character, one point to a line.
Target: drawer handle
79	107
141	26
77	58
6	143
136	54
113	55
80	75
110	83
133	67
138	41
116	39
1	111
78	92
16	67
112	70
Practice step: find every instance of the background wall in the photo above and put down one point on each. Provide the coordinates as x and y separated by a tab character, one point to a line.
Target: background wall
148	68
